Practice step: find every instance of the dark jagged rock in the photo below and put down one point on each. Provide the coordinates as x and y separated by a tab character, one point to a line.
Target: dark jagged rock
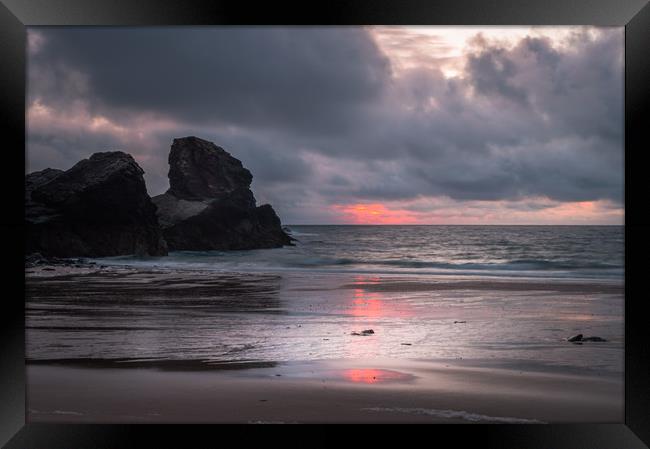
209	204
37	212
593	339
38	178
35	259
99	207
199	170
581	338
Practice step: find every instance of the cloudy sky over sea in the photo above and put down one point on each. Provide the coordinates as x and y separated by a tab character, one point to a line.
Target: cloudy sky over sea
376	125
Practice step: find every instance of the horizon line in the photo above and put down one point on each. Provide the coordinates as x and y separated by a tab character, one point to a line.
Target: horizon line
448	224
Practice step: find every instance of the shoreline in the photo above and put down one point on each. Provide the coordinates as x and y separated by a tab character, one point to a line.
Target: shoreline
212	365
276	347
398	280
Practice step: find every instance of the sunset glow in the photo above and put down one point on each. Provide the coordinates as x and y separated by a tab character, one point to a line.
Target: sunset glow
373	376
434	211
375	213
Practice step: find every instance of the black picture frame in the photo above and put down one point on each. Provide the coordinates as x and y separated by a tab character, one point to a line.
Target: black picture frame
15	15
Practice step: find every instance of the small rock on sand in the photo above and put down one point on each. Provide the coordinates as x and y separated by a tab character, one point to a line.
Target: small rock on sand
580	338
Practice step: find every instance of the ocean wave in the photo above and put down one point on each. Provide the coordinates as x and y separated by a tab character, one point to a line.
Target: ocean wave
300	234
491	251
287	260
514	265
455	414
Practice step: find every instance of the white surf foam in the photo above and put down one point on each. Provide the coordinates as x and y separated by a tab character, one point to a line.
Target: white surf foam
455	414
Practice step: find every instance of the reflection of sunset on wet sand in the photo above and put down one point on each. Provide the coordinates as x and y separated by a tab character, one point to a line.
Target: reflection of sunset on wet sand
373	376
366	304
374	304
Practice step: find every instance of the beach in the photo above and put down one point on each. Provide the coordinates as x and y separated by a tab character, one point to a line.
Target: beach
135	343
321	392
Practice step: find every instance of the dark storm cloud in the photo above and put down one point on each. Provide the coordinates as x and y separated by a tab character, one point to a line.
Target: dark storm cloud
310	78
321	118
492	73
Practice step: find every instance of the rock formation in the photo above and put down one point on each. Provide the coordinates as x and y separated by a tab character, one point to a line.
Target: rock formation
99	207
209	204
580	338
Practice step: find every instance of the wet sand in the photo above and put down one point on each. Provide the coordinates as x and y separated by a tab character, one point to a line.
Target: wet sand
321	392
562	286
103	347
152	278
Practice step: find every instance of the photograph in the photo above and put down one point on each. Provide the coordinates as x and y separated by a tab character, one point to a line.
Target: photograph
325	224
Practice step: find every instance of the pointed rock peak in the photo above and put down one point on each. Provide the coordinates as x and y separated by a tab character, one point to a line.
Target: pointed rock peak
111	156
199	169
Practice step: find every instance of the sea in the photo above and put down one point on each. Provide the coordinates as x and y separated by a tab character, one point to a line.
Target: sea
587	252
501	295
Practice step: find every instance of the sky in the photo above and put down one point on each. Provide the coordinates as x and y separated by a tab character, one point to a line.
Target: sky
357	125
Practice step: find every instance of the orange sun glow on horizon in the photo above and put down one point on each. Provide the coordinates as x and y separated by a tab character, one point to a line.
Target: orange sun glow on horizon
375	213
475	212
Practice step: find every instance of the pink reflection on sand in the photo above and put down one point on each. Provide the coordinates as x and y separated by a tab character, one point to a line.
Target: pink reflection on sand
372	376
371	310
366	304
375	304
366	308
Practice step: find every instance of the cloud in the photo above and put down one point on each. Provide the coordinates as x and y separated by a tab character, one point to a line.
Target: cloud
310	79
329	118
